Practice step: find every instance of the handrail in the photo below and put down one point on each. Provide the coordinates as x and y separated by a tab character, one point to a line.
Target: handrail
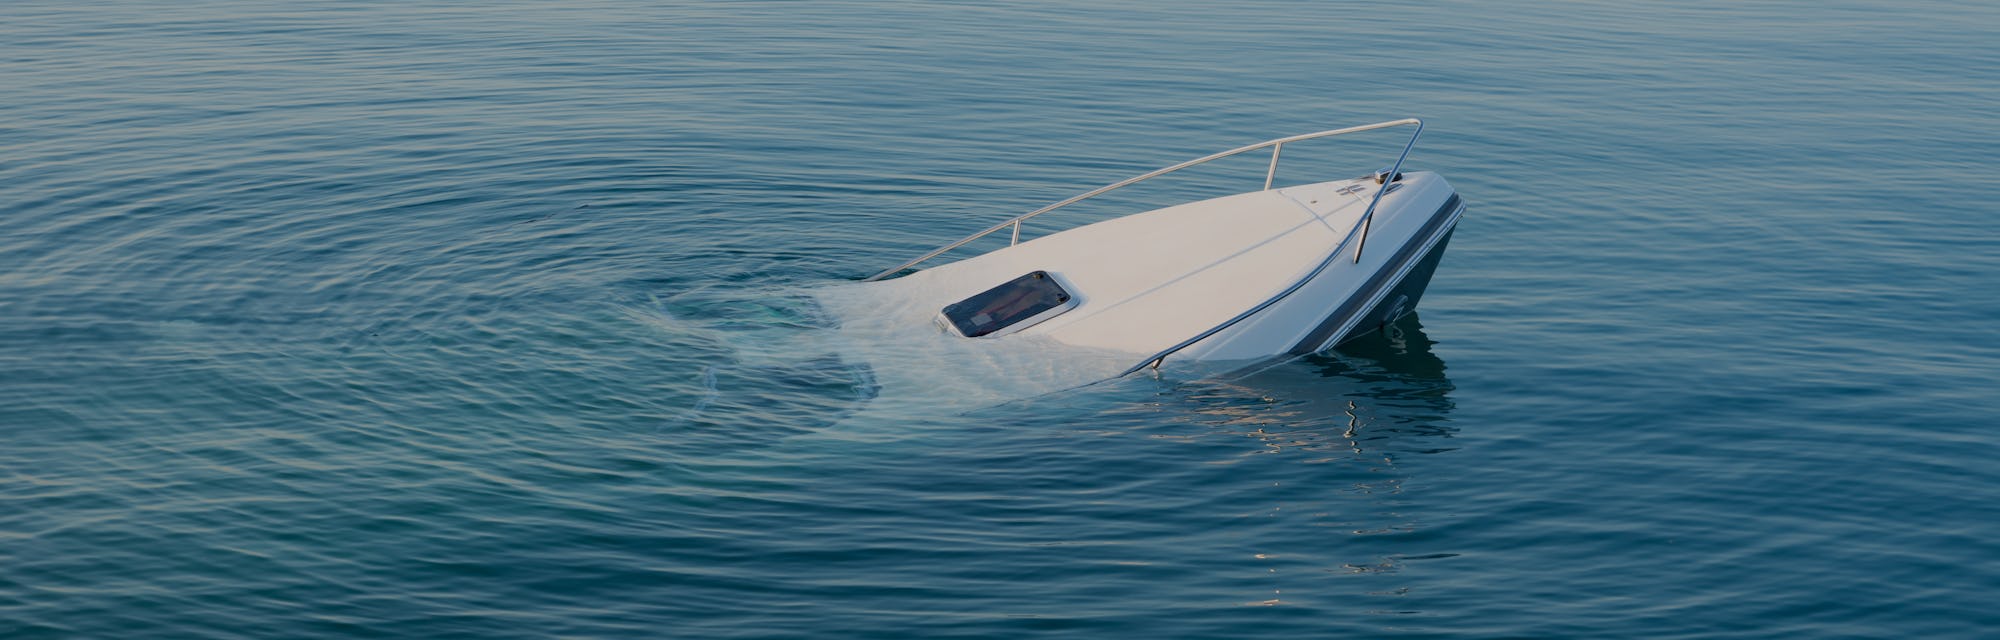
1276	145
1387	181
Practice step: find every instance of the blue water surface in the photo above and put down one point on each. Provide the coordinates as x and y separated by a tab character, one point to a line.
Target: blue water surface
495	320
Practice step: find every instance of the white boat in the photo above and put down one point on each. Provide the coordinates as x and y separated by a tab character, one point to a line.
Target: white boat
1253	276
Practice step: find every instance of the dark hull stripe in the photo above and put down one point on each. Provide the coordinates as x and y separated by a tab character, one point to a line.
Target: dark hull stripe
1382	281
1403	299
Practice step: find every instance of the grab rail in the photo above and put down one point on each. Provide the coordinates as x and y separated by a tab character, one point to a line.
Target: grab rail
1276	146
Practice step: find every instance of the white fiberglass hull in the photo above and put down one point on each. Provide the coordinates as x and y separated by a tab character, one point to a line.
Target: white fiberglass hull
1149	282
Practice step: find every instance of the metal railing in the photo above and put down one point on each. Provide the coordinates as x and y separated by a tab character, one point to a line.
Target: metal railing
1276	146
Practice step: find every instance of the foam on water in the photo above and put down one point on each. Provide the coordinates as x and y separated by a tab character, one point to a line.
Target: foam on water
923	370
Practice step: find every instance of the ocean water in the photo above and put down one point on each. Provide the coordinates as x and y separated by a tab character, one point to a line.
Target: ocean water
499	320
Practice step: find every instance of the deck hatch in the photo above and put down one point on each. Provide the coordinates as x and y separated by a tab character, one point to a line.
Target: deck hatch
1018	304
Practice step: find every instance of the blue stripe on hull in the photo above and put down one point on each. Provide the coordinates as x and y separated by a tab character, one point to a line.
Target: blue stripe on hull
1322	338
1403	300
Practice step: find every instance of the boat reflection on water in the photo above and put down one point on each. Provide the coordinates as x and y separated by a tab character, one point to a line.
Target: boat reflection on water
1384	394
1332	471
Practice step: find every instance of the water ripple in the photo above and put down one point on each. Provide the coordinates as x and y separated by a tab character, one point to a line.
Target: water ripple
391	319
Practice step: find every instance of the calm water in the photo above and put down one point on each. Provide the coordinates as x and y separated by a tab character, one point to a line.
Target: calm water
368	319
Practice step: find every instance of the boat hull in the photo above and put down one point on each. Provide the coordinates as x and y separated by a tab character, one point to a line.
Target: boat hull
1393	291
1401	300
1246	277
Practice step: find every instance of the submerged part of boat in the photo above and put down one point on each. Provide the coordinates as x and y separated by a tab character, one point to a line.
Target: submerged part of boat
1252	276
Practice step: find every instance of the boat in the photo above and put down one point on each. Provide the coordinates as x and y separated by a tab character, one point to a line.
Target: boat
1273	273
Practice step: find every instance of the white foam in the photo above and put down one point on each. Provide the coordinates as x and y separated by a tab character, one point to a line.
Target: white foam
922	369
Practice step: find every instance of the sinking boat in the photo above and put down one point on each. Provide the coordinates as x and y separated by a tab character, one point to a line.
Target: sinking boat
1272	273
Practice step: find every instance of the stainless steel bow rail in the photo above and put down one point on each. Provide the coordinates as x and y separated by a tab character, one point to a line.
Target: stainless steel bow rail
1277	146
